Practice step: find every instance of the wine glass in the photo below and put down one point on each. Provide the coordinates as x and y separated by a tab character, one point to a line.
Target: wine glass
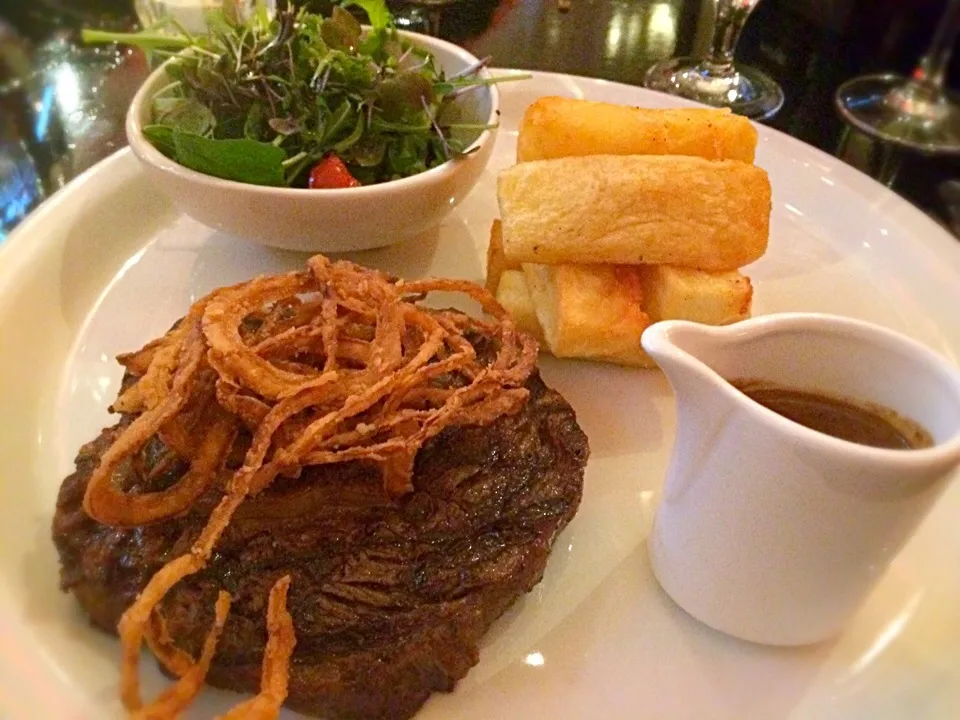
421	15
914	112
191	14
715	79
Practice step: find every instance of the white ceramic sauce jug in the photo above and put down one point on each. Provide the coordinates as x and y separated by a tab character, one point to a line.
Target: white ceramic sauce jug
768	530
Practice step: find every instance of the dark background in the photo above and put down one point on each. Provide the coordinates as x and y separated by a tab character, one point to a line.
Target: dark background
809	46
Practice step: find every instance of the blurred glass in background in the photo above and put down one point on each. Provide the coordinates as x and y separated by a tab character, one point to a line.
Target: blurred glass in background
190	14
62	104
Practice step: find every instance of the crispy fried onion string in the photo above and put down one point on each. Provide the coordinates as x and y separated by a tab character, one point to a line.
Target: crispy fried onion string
275	674
334	364
178	696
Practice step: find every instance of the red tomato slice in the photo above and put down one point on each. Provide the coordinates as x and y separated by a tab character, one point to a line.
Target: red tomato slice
331	173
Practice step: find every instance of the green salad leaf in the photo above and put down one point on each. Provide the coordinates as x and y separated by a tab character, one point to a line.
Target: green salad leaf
243	160
161	137
263	99
377	12
186	114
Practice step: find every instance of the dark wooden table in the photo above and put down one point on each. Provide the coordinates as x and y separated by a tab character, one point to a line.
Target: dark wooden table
62	105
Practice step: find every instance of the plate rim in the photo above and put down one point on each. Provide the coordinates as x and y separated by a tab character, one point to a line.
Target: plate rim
98	173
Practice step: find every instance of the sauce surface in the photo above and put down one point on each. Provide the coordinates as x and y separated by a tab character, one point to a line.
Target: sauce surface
863	423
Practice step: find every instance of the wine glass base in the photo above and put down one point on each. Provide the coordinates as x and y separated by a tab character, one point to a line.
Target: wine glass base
894	109
413	19
747	91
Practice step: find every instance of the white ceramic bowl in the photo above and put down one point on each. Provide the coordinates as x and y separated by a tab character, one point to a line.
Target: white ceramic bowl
325	220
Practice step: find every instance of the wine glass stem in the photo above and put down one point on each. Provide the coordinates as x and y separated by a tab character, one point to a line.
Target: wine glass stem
433	18
731	17
932	67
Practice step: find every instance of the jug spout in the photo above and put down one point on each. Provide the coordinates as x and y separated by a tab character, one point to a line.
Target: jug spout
688	354
665	340
686	351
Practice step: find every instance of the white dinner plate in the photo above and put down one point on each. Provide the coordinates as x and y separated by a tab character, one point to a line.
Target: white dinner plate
108	263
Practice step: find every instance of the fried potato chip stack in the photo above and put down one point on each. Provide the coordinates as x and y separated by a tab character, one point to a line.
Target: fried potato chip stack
616	217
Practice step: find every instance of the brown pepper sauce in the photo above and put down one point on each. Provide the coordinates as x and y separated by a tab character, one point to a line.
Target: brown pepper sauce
863	423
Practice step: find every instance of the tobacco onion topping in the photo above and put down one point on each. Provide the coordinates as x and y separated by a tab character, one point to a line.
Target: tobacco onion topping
334	364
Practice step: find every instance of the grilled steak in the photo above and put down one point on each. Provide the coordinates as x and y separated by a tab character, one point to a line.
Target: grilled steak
389	599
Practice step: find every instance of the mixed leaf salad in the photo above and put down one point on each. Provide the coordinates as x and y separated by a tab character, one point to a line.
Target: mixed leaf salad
303	100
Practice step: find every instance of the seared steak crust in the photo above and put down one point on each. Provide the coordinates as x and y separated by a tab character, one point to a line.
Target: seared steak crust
389	599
